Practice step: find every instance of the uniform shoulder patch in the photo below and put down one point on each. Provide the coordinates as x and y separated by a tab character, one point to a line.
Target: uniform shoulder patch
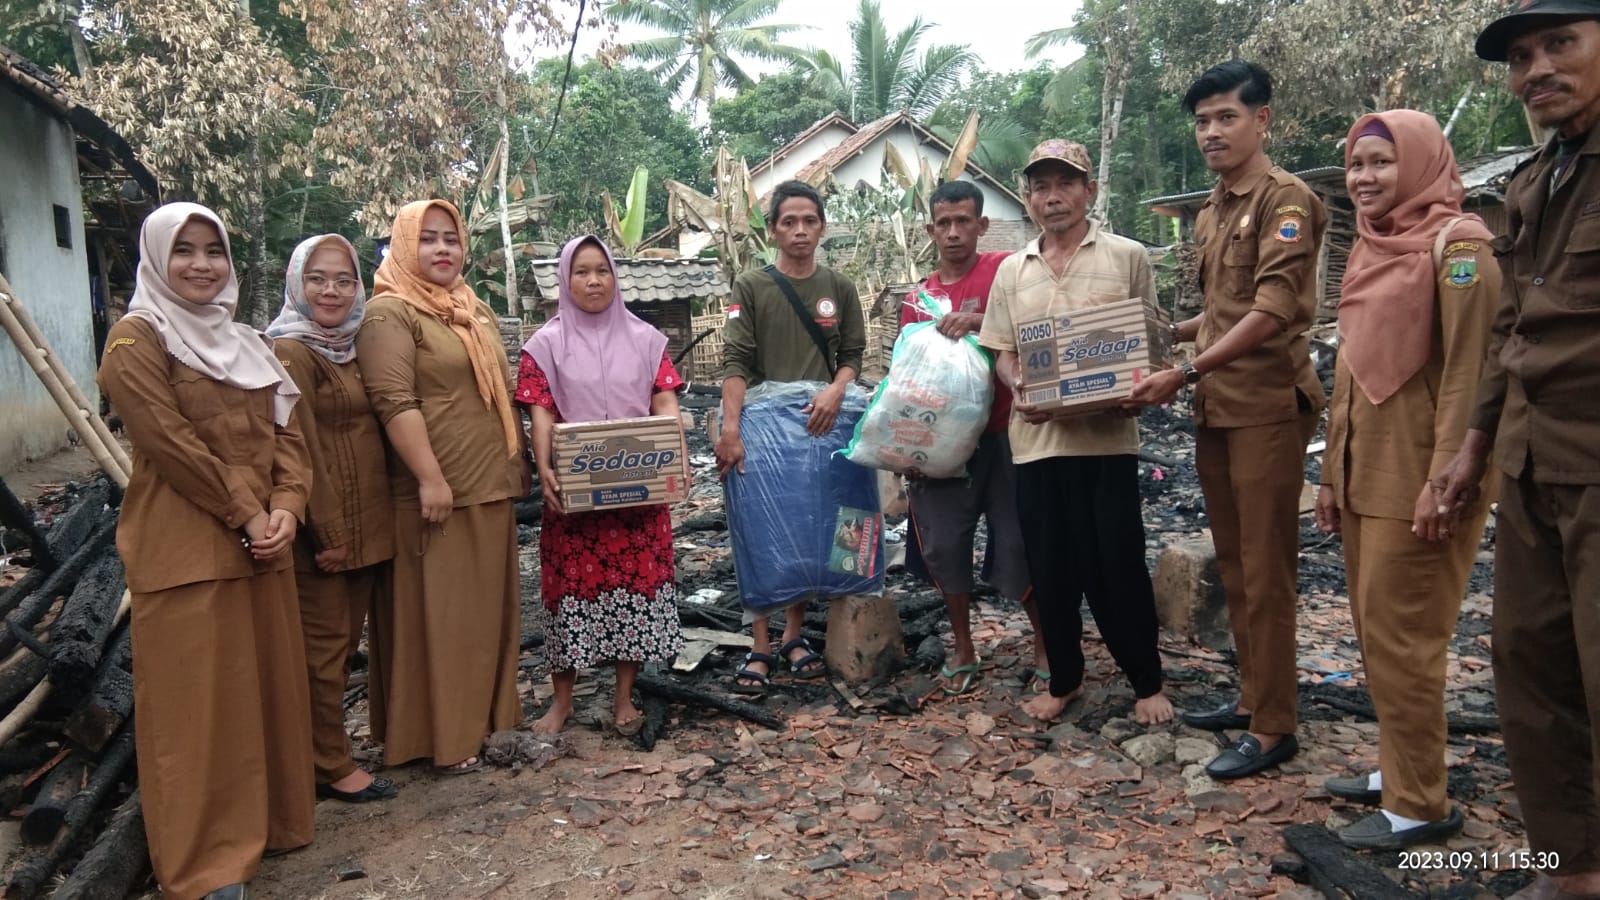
120	342
1461	265
1291	224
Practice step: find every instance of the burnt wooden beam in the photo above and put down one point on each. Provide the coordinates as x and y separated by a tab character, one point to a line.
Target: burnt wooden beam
1339	872
14	514
115	864
35	870
110	701
690	695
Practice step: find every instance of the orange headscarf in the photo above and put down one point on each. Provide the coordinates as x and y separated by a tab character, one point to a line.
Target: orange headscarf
1387	305
400	275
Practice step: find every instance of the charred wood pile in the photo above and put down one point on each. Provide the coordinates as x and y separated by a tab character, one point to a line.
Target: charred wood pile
66	700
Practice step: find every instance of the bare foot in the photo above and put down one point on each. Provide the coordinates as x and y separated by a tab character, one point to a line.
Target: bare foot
624	713
1046	708
354	783
1152	710
552	721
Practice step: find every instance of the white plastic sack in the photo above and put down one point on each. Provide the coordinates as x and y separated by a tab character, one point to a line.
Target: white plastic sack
931	409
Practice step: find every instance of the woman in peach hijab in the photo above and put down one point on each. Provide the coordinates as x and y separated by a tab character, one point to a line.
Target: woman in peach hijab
444	642
220	478
1419	295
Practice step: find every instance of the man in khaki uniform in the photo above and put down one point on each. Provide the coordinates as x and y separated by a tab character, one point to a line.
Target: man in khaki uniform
1256	399
1537	409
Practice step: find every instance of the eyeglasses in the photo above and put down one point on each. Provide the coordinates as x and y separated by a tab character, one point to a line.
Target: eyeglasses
318	284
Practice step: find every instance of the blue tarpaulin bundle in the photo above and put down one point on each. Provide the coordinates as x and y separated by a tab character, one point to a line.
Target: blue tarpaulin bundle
804	519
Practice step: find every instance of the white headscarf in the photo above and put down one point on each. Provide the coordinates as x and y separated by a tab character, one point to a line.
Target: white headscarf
337	345
204	336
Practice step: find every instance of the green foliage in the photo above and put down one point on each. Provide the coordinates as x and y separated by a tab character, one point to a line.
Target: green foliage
765	116
615	120
703	41
886	72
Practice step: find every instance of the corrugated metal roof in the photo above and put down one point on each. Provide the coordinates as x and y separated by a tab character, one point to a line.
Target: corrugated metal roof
647	280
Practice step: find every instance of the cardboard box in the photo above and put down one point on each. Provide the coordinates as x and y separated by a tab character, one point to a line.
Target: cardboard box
1088	360
625	462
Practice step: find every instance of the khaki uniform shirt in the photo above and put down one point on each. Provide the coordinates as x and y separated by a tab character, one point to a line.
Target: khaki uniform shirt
1379	457
1258	251
207	457
1541	385
349	504
410	360
1105	269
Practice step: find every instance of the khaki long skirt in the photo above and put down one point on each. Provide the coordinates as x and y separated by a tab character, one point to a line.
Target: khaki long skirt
223	728
444	641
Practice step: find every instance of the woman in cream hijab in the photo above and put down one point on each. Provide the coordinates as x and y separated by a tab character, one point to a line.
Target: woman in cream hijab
444	644
342	555
220	479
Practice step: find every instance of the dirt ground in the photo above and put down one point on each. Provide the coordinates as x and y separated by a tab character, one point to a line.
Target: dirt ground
913	794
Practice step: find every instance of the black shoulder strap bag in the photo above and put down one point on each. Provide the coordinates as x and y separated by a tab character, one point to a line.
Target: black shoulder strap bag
811	326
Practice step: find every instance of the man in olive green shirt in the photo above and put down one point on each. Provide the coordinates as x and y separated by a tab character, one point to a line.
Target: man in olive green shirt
766	340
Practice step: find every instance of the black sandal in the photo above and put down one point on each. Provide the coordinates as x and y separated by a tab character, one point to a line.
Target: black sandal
379	789
762	680
799	667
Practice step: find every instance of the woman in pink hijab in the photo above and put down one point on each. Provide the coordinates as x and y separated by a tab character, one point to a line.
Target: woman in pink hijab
607	576
1419	294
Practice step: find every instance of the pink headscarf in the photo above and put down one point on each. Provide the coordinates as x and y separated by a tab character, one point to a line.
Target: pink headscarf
600	366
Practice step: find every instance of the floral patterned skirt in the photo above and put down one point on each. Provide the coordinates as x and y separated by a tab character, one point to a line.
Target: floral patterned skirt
607	582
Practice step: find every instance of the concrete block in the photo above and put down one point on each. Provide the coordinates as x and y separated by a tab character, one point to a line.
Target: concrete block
1189	597
864	638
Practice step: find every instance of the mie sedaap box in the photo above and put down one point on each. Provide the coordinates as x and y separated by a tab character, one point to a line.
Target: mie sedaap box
1089	360
624	462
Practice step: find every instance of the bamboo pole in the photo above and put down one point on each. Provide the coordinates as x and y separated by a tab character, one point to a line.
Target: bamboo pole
92	431
31	328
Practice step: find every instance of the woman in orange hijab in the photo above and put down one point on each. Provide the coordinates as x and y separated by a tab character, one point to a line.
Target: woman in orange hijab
444	641
1419	295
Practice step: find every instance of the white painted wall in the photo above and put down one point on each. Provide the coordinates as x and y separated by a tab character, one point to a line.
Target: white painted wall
868	166
786	168
39	160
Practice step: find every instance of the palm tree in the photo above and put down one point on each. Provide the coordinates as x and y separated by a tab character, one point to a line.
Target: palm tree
702	40
885	71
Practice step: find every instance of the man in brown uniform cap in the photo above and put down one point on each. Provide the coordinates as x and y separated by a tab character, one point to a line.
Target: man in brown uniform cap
1538	410
1256	400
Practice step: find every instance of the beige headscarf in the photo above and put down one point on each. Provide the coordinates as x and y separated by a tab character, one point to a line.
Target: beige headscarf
400	276
204	337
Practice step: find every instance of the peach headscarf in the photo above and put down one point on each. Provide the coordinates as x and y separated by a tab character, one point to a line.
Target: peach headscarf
400	275
1386	309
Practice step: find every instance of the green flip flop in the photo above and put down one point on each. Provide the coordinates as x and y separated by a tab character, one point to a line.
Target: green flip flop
968	675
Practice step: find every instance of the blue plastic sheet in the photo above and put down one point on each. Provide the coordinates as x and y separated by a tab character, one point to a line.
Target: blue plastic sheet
804	520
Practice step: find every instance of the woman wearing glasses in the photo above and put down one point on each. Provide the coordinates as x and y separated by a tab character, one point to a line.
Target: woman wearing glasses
342	555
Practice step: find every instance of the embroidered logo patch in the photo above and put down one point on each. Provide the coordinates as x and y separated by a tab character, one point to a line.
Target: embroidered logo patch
1462	271
120	342
826	308
1291	221
733	311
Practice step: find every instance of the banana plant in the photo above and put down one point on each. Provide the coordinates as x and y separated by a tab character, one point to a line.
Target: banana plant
628	229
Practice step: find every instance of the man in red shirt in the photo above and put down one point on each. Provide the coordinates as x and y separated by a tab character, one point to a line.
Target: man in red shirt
945	511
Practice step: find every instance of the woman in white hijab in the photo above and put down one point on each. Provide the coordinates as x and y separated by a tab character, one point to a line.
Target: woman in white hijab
342	555
221	476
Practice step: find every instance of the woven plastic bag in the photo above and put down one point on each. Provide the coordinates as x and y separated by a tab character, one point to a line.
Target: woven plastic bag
804	520
931	409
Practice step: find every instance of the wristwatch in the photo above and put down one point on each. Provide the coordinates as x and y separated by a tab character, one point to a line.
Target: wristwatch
1191	375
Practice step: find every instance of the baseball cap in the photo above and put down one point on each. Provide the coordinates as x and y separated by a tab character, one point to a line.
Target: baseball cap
1495	40
1069	152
